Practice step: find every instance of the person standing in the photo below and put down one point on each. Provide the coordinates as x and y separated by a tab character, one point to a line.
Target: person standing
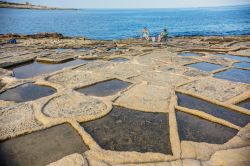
145	33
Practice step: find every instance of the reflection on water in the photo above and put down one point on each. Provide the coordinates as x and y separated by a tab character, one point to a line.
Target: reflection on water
237	75
206	66
192	128
129	130
190	54
245	65
240	58
217	111
37	68
245	104
26	92
42	147
119	60
106	88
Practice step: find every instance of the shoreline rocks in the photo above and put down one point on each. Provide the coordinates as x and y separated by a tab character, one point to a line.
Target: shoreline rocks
27	5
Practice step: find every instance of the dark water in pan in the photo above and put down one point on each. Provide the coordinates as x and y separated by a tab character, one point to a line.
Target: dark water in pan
129	130
26	92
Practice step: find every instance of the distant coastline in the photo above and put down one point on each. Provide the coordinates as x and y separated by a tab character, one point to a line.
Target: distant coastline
27	5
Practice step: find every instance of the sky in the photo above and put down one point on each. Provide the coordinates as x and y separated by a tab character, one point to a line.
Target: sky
135	3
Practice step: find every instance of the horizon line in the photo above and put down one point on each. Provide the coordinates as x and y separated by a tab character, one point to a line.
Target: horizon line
164	7
184	7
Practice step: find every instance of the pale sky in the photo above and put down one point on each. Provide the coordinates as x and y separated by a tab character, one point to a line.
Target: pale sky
136	3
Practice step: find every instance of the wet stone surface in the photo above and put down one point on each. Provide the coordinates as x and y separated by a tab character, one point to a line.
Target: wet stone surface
190	54
240	58
116	49
37	68
61	50
217	111
84	49
119	60
206	66
26	92
242	65
106	88
237	75
42	147
129	130
245	104
192	128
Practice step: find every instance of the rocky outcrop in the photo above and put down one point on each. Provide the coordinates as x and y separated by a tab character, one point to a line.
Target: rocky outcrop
33	36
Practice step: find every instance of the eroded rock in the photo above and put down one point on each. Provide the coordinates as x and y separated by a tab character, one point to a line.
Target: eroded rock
161	79
77	78
234	157
76	107
17	119
215	88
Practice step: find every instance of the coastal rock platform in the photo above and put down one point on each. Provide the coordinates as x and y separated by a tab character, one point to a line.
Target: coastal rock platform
126	102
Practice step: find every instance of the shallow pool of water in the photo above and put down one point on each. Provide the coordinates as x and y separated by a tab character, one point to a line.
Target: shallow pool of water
106	88
237	75
26	92
36	68
245	104
116	49
192	128
129	130
217	111
190	54
61	50
206	66
245	65
240	58
119	60
84	49
42	147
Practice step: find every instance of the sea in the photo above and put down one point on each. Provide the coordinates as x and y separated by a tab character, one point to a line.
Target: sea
114	24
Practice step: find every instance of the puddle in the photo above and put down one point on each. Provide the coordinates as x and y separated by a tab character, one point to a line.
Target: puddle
119	60
237	75
116	49
217	111
245	104
37	68
190	54
129	130
42	147
192	128
62	50
106	88
240	58
84	49
206	66
26	92
245	65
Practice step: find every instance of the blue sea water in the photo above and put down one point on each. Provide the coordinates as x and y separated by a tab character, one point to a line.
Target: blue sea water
119	24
